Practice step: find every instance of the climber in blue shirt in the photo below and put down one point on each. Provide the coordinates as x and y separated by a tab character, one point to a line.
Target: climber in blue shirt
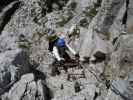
58	46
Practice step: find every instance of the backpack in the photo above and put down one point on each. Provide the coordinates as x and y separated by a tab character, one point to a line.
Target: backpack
60	42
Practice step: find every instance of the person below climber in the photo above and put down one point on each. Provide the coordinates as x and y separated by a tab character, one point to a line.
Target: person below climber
58	46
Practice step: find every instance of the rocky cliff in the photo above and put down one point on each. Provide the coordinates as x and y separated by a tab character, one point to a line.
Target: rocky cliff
106	28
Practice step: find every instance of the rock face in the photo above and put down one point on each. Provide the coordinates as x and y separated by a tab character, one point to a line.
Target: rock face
14	63
30	89
99	28
104	43
129	18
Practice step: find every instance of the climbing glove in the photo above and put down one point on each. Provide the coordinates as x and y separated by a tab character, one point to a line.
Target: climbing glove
61	62
77	55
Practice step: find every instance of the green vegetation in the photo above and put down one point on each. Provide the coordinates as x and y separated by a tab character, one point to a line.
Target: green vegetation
108	35
38	35
64	20
91	12
108	72
23	42
24	45
53	37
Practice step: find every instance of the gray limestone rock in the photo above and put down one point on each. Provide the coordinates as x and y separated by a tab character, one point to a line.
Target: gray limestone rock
14	63
24	49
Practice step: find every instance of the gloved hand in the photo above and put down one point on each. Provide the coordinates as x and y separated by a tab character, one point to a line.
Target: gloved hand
77	55
61	62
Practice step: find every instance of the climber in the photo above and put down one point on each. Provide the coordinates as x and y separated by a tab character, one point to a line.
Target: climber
74	30
73	33
58	46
